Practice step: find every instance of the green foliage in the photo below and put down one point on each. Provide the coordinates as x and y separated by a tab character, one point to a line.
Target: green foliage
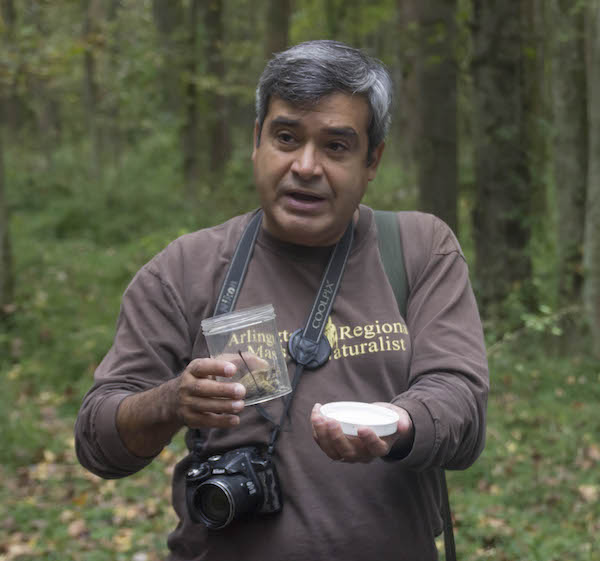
370	24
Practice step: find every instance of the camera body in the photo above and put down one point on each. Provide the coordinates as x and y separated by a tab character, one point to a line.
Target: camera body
230	485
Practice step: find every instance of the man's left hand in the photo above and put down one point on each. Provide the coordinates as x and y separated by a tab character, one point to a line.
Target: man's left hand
364	447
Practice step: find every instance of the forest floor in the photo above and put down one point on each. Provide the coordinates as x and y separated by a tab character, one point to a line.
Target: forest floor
534	494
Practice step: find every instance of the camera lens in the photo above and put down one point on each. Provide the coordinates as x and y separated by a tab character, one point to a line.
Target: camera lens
214	504
221	499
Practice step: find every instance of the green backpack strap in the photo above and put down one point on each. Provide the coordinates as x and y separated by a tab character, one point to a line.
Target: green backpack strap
390	247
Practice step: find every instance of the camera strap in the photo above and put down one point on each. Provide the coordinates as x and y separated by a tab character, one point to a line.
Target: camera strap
230	289
307	346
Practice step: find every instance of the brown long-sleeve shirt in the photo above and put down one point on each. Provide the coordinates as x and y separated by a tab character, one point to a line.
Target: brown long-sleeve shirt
432	363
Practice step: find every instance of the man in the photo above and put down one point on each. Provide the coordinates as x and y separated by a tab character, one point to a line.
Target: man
322	115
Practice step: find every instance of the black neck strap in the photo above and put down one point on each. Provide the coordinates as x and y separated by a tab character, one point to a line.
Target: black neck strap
238	266
306	346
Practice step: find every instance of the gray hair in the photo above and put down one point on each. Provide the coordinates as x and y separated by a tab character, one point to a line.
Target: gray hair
305	73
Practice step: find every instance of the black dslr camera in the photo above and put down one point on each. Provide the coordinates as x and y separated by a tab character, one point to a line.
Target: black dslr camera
230	485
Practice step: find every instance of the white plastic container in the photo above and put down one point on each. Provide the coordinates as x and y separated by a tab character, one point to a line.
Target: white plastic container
354	414
249	339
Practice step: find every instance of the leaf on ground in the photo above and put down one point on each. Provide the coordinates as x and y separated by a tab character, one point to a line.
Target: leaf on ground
593	452
80	499
589	493
587	457
16	550
123	539
77	528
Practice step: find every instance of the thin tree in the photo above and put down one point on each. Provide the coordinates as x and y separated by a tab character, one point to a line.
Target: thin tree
570	144
113	110
169	21
92	10
278	26
43	96
191	162
502	229
436	110
405	123
6	270
13	105
591	249
217	121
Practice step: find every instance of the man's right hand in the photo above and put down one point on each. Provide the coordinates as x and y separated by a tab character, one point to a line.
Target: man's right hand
201	401
147	421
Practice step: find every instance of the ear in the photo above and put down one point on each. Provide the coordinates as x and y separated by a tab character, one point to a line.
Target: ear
255	139
375	159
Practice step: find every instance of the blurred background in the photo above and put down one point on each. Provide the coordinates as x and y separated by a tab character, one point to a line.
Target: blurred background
124	124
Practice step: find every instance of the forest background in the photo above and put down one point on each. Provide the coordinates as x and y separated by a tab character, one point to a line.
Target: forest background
127	123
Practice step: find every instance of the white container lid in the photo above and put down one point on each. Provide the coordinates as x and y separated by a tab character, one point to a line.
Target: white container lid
354	414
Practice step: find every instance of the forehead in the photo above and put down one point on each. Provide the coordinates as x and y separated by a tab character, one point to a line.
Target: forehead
338	110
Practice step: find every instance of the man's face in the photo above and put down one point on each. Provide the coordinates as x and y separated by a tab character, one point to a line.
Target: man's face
310	167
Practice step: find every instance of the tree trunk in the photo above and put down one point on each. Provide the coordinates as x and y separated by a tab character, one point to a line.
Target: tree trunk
591	247
278	25
92	14
502	206
44	98
191	163
405	123
168	17
218	133
537	101
436	113
7	11
334	16
114	124
570	144
12	104
6	271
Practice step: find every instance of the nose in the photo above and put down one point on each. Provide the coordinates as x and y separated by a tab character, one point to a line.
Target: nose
306	163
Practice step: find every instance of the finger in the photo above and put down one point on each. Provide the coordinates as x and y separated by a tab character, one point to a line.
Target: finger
245	360
333	441
374	446
207	405
315	417
205	367
405	424
321	436
211	388
252	361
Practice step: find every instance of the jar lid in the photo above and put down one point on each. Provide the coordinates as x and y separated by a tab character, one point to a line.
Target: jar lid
238	319
354	414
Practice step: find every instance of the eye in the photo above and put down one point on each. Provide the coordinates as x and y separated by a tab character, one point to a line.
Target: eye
285	137
337	147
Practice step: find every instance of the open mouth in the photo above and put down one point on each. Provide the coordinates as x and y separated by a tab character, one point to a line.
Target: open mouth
305	197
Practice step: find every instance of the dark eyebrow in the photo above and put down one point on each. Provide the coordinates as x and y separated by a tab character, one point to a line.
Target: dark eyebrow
341	131
332	131
285	121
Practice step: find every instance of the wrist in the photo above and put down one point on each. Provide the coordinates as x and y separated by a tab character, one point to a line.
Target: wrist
405	437
169	410
147	421
402	446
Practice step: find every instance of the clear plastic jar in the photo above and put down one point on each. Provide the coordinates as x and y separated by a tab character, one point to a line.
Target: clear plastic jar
249	339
